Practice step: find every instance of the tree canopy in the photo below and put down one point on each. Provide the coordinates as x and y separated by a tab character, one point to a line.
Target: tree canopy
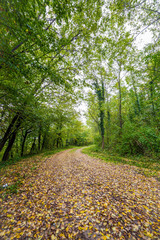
51	50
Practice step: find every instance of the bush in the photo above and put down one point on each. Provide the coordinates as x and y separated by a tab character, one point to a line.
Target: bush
138	140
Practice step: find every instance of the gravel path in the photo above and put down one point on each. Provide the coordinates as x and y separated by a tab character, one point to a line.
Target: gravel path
73	196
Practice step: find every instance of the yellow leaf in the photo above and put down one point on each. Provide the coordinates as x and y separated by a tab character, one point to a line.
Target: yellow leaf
71	211
62	235
2	233
104	237
53	237
80	228
148	234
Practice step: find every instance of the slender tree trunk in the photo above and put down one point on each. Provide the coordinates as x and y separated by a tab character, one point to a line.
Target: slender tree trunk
108	121
120	102
33	145
44	141
103	142
120	105
108	127
152	96
23	142
101	103
102	127
136	95
11	154
8	132
57	142
39	139
137	101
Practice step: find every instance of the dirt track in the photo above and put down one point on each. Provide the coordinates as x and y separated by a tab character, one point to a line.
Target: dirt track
73	196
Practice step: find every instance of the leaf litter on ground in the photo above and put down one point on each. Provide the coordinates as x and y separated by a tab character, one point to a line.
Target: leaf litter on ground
73	196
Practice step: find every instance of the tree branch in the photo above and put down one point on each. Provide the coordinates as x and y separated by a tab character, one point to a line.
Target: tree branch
21	43
146	28
15	48
151	10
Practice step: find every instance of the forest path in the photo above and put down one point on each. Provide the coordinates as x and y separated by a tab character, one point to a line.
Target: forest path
74	196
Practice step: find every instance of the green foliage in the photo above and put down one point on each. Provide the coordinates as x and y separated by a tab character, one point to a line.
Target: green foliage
139	139
131	79
38	64
50	50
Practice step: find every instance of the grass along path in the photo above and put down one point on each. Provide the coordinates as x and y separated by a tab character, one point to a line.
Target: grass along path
72	196
145	165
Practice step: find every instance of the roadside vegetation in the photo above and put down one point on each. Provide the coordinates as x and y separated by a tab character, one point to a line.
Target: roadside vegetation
149	166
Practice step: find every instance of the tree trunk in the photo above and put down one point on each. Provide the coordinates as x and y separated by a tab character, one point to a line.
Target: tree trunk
102	142
11	140
101	100
152	96
8	149
108	121
8	132
44	141
33	145
11	154
102	127
120	102
57	144
39	139
108	127
23	142
136	95
102	113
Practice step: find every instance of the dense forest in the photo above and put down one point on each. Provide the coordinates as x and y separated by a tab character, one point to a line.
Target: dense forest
52	52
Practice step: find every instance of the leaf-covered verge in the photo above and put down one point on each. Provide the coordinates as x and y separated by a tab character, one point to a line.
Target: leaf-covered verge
14	172
72	196
149	166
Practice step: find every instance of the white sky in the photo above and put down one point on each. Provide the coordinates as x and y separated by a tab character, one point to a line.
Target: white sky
143	39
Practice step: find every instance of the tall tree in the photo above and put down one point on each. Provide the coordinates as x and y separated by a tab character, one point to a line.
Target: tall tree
38	48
